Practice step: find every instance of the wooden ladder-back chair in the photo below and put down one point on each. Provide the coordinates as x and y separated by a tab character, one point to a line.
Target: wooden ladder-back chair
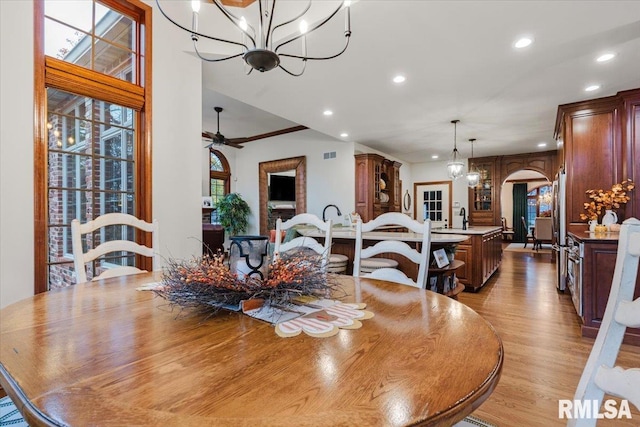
527	233
421	257
80	257
622	312
304	241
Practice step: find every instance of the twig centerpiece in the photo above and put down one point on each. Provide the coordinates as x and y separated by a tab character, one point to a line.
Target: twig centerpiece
206	283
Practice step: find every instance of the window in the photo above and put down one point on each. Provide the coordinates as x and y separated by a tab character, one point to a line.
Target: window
538	203
433	207
91	128
219	174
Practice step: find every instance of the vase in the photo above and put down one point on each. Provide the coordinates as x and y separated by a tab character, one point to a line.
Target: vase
592	225
609	218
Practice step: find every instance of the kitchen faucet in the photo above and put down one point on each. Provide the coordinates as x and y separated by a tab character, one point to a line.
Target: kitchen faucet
325	210
463	214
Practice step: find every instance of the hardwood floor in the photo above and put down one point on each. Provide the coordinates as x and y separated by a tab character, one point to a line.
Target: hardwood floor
544	350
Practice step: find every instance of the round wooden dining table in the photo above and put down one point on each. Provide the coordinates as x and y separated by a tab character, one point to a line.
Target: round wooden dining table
106	354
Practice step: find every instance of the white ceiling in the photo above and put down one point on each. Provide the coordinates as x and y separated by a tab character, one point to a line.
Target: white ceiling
459	63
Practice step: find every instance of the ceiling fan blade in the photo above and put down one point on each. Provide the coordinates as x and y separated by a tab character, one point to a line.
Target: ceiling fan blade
267	135
231	143
218	139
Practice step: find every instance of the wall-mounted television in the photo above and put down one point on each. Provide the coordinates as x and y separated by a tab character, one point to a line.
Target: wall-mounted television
282	188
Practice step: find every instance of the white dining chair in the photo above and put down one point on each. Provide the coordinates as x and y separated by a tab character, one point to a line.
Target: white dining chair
303	241
419	257
622	312
80	258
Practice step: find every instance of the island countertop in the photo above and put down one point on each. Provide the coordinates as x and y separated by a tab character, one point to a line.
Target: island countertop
473	230
350	233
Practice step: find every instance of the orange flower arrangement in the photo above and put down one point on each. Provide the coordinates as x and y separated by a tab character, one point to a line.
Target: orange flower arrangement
606	200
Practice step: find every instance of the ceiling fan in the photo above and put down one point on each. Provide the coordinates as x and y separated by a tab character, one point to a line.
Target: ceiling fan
219	139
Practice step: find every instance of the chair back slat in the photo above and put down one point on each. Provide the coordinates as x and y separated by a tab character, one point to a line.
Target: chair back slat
80	257
305	241
388	246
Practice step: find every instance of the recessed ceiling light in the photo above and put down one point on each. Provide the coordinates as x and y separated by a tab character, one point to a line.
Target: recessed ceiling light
344	135
591	88
542	144
606	57
328	113
399	79
435	156
523	42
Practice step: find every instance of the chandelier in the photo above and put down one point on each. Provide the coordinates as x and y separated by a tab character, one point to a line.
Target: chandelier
473	176
455	167
258	47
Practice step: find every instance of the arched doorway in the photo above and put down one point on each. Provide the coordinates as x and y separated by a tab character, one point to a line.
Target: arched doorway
524	193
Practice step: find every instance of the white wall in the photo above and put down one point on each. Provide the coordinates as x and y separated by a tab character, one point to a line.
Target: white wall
176	145
176	140
16	151
328	181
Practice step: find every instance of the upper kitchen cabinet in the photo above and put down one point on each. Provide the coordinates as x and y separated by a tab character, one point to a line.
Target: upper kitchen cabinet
377	185
483	203
599	141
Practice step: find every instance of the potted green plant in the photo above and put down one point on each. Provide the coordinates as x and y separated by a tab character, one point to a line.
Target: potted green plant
233	213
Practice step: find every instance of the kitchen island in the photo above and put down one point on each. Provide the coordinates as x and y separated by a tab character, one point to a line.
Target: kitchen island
481	253
343	239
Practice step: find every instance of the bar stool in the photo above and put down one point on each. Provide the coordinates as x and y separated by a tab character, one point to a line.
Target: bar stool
370	265
337	264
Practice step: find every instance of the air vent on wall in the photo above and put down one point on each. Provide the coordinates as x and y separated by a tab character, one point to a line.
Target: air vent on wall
330	155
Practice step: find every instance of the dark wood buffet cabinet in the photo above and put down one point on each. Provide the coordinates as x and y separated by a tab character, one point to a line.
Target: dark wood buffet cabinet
598	264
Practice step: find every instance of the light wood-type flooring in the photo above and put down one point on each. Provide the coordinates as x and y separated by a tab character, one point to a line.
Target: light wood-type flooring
544	350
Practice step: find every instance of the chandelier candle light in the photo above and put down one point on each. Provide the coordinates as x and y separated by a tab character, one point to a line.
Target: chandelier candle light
473	176
455	167
257	46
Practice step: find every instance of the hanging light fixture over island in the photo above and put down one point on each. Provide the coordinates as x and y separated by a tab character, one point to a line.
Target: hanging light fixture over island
455	167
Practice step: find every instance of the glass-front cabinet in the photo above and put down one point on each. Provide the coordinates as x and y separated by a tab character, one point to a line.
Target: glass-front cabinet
482	197
483	192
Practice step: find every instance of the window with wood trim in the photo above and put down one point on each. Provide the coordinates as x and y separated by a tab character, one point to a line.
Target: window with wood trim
92	147
219	179
538	203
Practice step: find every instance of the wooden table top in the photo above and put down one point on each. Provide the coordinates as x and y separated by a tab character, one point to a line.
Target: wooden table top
106	354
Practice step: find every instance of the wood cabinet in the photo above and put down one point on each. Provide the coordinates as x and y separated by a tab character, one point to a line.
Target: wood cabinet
377	185
597	273
599	142
481	254
484	199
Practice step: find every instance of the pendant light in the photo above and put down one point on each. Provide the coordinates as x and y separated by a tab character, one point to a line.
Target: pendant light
455	167
473	176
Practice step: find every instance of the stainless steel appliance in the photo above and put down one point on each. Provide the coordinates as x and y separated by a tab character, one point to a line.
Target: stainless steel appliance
559	228
575	256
